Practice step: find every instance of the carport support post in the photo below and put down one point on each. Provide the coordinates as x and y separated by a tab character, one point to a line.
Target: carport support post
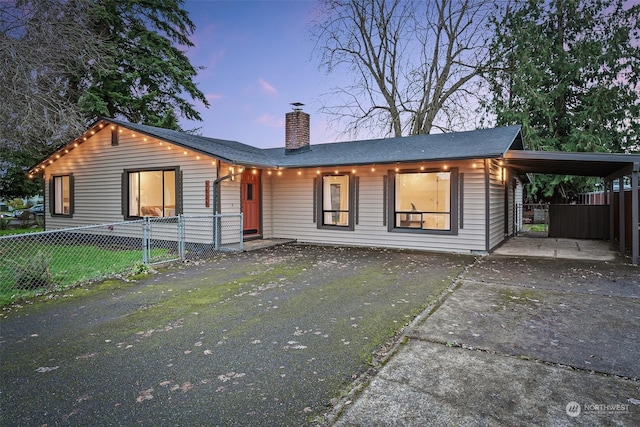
621	214
635	222
612	228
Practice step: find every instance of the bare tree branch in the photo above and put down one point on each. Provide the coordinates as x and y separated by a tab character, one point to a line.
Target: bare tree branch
43	44
414	61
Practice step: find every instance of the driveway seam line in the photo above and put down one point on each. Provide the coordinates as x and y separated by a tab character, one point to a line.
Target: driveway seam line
364	380
524	358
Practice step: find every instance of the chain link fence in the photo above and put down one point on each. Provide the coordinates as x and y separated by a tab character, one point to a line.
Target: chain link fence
65	257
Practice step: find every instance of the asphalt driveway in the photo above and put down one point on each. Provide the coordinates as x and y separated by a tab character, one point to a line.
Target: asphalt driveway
271	337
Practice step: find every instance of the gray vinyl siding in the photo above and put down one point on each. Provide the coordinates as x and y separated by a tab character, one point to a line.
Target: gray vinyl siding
519	201
515	201
230	201
267	205
97	167
292	211
496	205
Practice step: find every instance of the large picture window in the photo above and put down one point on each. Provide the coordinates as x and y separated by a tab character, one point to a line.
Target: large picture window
151	193
425	201
62	195
336	201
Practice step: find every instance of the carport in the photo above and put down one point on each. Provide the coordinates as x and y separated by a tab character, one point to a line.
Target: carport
608	166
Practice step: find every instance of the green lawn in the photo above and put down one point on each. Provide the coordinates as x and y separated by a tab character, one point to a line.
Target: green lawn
20	231
68	265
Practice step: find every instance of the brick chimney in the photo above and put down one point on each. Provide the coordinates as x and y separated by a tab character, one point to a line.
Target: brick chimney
297	136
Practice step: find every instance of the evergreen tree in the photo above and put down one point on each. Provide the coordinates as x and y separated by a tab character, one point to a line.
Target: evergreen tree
567	70
148	75
64	63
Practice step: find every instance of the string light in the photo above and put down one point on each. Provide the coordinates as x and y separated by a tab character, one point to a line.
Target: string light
299	173
373	169
421	168
353	171
445	167
279	173
268	172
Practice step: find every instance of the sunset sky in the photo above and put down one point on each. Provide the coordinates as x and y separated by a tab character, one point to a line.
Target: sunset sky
259	58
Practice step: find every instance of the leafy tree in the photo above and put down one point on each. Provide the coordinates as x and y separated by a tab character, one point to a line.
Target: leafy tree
414	63
64	63
13	182
567	70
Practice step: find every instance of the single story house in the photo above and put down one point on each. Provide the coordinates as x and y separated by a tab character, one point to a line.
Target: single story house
451	192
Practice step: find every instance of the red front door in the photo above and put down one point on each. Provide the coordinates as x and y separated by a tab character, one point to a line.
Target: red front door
251	201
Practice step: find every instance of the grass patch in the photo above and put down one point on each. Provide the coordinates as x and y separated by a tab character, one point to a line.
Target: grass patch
68	265
536	228
11	231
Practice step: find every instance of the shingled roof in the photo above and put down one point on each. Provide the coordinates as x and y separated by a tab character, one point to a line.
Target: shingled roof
477	144
229	151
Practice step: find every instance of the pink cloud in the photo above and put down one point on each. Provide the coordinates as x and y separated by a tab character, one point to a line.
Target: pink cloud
270	120
213	96
266	86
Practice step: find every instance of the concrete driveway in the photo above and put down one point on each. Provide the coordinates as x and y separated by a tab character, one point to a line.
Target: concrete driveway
554	247
521	341
270	337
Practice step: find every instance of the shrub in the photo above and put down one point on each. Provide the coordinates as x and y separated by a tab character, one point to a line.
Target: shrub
33	272
25	219
4	223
